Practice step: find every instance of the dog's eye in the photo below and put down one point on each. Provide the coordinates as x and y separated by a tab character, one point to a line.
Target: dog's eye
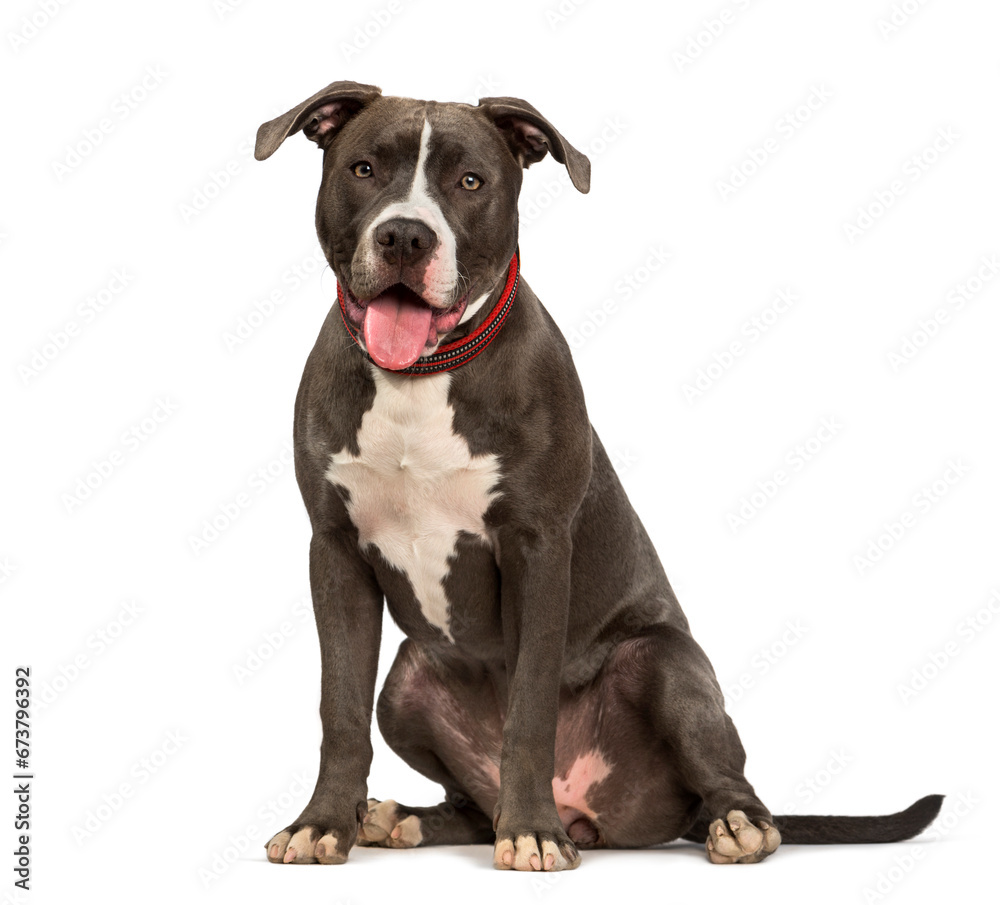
362	170
470	181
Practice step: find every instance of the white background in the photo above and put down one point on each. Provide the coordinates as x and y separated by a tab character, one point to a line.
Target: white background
201	249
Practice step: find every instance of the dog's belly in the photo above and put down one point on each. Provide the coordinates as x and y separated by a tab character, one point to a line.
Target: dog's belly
415	489
615	784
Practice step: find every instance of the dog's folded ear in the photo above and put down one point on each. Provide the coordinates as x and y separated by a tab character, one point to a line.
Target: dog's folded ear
530	136
319	117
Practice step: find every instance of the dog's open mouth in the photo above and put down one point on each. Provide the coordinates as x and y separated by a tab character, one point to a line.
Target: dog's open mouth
398	325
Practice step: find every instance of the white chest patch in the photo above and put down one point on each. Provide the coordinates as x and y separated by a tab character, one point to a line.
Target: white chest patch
414	484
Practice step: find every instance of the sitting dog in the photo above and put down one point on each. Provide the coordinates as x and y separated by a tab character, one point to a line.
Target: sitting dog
548	680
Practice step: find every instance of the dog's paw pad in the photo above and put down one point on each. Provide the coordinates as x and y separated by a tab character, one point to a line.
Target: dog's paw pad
739	840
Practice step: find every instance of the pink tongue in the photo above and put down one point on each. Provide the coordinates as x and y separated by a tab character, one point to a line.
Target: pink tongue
396	329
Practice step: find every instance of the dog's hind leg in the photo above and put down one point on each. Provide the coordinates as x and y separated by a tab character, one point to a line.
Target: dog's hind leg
673	686
447	731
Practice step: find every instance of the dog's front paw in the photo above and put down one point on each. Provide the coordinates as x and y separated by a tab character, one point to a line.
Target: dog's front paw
388	826
312	839
519	848
308	844
740	840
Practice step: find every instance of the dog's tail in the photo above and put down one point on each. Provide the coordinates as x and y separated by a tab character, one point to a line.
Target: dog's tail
804	829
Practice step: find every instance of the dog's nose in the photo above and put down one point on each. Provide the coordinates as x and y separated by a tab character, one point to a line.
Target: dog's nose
405	241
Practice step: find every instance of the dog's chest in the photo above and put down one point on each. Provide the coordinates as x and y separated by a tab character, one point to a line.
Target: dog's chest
414	486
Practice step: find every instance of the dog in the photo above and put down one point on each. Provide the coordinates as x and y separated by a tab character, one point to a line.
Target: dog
548	680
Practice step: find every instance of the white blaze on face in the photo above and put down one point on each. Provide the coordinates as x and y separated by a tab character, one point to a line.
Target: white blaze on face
441	274
414	484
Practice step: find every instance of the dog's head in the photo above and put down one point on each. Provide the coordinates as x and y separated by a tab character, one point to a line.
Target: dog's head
417	209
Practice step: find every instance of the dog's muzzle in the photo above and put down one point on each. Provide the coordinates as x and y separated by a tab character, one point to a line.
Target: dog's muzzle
398	325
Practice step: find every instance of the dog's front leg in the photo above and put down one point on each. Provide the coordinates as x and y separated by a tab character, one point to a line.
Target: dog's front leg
347	603
534	587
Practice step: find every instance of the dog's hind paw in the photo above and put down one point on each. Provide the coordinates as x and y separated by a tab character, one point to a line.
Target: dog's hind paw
388	826
737	840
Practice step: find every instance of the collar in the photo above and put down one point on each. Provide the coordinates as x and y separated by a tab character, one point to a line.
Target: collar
456	353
